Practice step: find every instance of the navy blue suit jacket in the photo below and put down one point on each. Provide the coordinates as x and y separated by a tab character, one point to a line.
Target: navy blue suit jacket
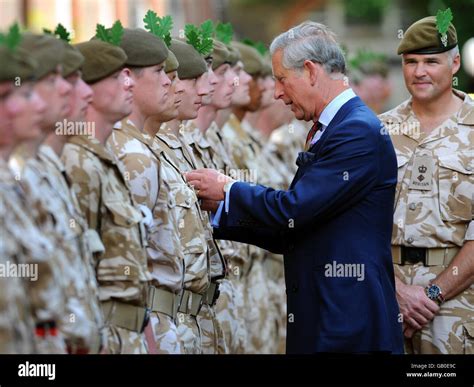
337	211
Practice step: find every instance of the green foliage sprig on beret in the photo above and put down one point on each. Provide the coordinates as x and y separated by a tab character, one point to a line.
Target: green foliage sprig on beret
12	38
224	32
60	31
110	35
200	38
159	26
259	46
443	19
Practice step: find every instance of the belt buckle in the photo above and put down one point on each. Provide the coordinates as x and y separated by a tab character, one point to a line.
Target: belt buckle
183	302
176	304
413	255
201	302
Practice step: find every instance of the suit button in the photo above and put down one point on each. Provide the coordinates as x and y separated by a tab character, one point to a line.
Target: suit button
294	288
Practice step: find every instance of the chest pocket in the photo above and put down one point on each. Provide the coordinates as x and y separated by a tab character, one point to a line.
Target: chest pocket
184	202
126	216
456	186
123	214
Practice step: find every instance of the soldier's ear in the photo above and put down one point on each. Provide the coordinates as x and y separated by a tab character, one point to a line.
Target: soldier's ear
456	64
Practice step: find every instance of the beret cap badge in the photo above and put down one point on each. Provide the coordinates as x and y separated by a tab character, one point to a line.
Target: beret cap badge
443	19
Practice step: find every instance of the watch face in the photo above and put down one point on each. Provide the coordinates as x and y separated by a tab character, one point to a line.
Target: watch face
433	292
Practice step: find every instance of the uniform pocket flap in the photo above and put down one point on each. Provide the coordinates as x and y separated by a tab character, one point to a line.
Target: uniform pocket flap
460	162
124	214
182	198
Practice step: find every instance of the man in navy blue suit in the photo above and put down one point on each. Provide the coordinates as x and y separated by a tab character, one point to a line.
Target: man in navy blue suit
334	223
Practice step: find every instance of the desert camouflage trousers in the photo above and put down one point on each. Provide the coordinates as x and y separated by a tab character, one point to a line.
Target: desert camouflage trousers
273	265
165	333
259	311
123	341
230	312
452	329
201	334
212	335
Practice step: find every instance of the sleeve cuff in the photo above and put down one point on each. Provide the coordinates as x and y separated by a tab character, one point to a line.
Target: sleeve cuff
227	197
216	218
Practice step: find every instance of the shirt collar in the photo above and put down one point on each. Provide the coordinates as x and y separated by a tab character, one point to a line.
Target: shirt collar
46	152
334	106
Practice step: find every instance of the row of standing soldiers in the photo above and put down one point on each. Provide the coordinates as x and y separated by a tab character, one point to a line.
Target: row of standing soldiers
105	248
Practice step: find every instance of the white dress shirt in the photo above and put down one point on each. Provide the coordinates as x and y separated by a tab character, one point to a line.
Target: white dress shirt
331	110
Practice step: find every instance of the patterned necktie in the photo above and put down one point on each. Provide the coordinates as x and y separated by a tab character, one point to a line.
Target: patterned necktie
317	126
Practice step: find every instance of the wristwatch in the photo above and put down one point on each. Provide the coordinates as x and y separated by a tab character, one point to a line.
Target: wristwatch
434	293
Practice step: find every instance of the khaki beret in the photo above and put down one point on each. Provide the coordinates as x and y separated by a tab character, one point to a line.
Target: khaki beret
375	68
251	58
234	55
47	50
143	49
220	54
423	37
16	64
72	60
191	63
171	63
101	59
267	66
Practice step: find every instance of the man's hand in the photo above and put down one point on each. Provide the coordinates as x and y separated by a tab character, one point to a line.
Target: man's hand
208	183
417	309
408	330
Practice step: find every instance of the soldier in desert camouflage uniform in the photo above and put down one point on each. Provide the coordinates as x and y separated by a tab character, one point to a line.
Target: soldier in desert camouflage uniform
107	204
193	72
84	323
17	325
81	321
209	152
35	179
149	180
246	150
239	265
433	233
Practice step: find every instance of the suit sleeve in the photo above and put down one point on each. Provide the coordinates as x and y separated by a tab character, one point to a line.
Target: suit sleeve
264	237
344	173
